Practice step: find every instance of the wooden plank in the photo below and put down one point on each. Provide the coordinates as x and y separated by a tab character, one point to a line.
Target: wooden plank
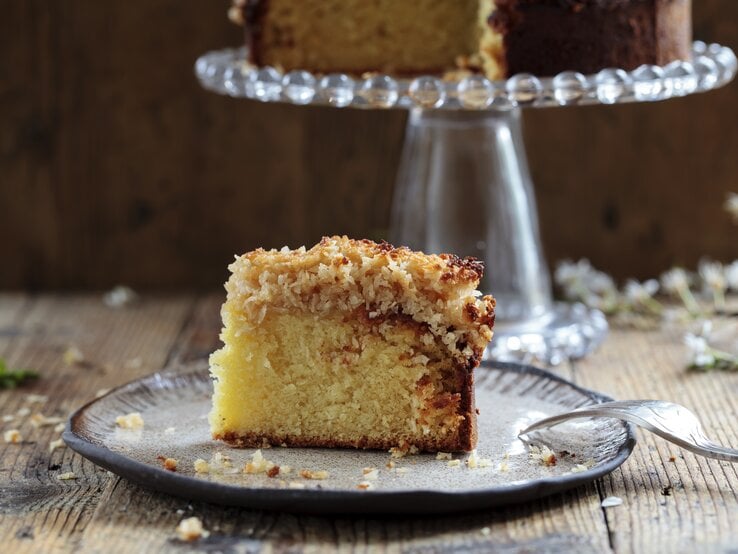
131	515
39	513
699	511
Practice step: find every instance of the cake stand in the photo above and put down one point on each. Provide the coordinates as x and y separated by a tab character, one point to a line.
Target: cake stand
463	184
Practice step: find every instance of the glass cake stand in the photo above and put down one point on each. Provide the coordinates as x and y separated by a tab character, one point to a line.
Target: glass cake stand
464	185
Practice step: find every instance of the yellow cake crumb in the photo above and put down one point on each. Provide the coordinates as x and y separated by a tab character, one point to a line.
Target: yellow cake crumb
53	445
454	463
474	461
36	398
13	436
364	485
201	466
130	421
370	473
67	476
316	475
169	464
296	485
73	355
40	420
543	455
443	456
191	529
258	464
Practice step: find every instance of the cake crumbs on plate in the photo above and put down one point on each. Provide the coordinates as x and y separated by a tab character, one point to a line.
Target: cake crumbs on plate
504	468
67	476
453	463
53	445
8	418
23	412
60	427
169	464
130	421
402	451
370	473
314	475
474	461
201	466
259	464
191	529
169	430
296	485
402	470
13	436
485	531
543	455
364	486
443	456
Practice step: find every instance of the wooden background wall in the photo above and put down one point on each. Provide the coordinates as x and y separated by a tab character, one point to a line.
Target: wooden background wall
115	167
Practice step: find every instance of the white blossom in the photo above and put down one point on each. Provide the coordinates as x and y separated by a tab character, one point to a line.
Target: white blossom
731	205
699	350
713	275
674	280
572	275
731	276
640	293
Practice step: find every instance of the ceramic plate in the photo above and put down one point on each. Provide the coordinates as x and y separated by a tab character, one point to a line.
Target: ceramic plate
174	407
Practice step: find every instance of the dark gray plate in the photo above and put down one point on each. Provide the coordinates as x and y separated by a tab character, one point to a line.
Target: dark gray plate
509	396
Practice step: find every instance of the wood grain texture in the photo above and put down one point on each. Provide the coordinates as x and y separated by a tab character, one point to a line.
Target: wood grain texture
116	167
674	501
100	513
38	512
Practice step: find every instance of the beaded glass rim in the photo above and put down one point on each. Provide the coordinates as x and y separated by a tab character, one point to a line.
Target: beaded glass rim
227	72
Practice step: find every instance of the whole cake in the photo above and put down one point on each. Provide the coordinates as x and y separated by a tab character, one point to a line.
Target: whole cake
350	344
497	37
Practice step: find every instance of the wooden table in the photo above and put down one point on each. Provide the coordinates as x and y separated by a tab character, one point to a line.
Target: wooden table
672	500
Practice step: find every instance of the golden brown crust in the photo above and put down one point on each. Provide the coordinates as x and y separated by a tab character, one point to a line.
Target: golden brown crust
462	441
436	290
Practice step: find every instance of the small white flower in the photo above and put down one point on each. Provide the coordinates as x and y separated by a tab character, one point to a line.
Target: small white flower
731	276
601	283
731	205
713	275
701	355
674	280
571	275
640	293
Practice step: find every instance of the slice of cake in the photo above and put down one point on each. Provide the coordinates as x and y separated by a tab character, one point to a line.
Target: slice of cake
350	344
498	37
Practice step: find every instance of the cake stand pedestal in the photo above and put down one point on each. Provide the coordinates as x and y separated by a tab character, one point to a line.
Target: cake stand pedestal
463	184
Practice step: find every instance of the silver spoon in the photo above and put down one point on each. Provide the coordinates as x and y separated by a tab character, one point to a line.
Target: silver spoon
670	421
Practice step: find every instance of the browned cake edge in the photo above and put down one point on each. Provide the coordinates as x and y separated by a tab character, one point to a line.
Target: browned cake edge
546	37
